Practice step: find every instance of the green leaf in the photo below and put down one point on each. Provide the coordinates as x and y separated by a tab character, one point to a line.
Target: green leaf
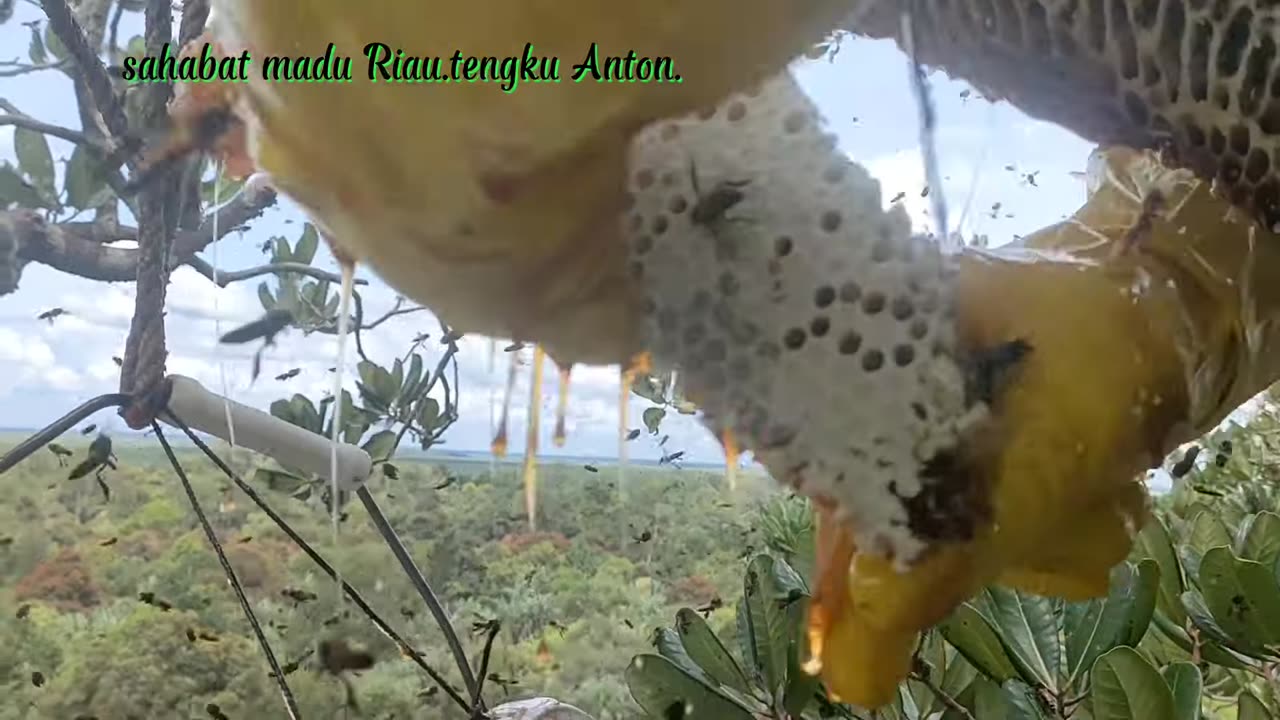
412	378
975	638
1200	615
17	191
1126	687
137	47
305	250
649	388
767	623
35	49
84	184
1145	592
428	414
265	297
34	159
304	413
1154	543
381	445
708	652
1250	707
1186	687
280	250
54	45
662	689
1022	701
669	645
653	418
1094	627
1243	597
1260	539
1208	531
1209	649
1028	627
279	481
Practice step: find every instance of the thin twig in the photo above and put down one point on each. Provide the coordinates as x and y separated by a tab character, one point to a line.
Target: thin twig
943	696
477	704
16	69
230	572
420	584
223	278
319	560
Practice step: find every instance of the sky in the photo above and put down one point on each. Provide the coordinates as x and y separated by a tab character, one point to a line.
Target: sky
986	150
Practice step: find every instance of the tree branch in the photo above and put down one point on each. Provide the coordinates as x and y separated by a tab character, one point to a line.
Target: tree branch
30	123
67	29
79	249
15	69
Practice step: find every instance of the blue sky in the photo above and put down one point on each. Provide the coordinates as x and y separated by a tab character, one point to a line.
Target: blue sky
985	149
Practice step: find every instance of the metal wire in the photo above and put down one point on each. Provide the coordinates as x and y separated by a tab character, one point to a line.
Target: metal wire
277	672
315	556
420	584
31	445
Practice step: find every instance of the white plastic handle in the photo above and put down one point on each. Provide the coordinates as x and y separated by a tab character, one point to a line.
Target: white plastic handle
288	444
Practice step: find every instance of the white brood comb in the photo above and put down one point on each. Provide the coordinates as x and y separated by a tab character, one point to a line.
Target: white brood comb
803	317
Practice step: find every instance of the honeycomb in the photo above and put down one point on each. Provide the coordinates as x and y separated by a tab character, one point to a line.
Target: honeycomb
1196	79
803	318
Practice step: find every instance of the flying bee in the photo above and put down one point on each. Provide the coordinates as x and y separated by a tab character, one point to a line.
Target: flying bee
200	135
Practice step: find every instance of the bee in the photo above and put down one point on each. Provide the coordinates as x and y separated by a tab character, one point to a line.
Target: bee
1153	206
201	135
711	207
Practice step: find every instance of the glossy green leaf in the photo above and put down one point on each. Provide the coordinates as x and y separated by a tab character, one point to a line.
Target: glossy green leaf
663	690
1208	531
1028	627
669	645
1243	597
708	652
84	184
1260	539
14	190
1210	650
34	159
1022	701
1094	627
380	445
1126	687
976	639
1154	543
1186	687
653	418
767	623
1202	618
1249	707
305	250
